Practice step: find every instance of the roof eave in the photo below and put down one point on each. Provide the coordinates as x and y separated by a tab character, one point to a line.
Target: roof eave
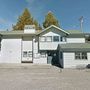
55	27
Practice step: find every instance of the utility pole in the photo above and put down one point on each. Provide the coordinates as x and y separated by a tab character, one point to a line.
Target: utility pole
81	23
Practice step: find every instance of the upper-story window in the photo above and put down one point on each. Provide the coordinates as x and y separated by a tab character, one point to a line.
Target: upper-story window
49	38
52	39
43	39
56	38
62	39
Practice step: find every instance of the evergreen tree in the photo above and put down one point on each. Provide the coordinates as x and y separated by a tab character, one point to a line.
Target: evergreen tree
50	20
36	24
25	19
39	27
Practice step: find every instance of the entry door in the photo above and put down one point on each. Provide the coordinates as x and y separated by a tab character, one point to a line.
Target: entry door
49	58
52	57
27	50
27	56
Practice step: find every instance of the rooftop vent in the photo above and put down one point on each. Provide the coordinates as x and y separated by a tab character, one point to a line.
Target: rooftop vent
29	29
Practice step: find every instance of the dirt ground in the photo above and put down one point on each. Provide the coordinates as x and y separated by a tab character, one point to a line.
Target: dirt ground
43	77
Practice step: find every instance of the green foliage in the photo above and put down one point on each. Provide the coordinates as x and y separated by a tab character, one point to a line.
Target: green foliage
50	20
39	27
25	19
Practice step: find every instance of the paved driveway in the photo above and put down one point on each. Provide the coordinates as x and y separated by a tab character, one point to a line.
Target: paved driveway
42	77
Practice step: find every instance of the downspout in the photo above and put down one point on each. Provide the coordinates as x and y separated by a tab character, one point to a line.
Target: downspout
38	44
21	48
32	49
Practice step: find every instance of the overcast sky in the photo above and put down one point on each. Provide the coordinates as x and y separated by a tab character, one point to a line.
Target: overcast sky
67	12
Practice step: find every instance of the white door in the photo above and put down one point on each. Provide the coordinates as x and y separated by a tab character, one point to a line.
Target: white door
27	51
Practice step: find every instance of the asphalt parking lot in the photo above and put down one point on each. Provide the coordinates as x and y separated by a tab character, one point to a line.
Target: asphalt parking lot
42	77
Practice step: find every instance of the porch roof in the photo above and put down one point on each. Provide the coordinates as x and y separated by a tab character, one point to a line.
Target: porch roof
74	47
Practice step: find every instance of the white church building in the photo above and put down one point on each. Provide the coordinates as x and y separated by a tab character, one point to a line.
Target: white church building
53	45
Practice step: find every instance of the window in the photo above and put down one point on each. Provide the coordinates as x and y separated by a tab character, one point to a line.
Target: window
27	53
49	38
62	39
80	55
56	38
42	39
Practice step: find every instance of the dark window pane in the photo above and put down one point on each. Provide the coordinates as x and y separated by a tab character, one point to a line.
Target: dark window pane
56	38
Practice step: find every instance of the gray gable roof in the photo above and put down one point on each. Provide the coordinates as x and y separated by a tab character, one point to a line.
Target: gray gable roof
74	31
74	47
53	26
75	34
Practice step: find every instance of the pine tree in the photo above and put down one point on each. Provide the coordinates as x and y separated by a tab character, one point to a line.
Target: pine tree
36	24
39	27
50	20
25	19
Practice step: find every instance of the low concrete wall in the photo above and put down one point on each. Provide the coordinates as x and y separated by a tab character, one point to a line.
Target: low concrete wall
40	60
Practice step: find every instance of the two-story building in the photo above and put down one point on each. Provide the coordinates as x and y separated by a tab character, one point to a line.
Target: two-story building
52	45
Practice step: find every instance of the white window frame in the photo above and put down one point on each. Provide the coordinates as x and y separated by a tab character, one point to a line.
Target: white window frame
81	56
48	40
42	40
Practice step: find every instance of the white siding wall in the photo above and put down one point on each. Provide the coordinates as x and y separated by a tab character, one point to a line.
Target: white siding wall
50	45
75	40
11	51
70	62
51	34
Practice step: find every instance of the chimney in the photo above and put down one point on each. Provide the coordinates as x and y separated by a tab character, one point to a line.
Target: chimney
29	29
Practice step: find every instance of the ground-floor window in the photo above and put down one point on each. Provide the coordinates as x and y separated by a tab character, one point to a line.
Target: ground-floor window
81	55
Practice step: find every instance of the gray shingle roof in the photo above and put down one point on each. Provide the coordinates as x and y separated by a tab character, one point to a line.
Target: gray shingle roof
74	31
17	33
74	47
